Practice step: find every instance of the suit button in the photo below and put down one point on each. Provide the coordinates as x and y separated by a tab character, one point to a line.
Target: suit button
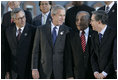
42	61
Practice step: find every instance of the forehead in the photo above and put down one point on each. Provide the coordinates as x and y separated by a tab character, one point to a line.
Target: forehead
61	11
81	14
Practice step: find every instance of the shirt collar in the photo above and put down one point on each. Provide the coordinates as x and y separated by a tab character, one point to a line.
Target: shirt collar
103	30
86	31
20	28
52	26
46	13
110	6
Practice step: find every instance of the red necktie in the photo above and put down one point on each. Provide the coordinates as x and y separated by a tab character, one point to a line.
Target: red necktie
19	34
83	42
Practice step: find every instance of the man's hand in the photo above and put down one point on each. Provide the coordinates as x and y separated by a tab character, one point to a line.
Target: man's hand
101	76
35	74
96	75
7	76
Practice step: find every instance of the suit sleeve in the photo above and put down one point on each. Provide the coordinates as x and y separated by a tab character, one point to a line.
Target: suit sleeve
68	58
36	50
94	59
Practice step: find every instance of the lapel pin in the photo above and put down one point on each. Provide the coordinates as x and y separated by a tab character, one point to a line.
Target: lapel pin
25	34
89	35
61	33
113	10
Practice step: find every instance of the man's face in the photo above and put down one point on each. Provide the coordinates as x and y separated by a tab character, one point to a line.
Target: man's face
59	18
20	19
94	23
45	6
81	21
14	4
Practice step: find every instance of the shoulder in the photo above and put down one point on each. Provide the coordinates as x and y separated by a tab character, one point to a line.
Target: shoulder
7	13
37	17
101	8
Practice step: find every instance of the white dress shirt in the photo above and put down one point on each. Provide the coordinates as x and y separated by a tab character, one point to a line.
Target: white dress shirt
18	31
85	34
44	17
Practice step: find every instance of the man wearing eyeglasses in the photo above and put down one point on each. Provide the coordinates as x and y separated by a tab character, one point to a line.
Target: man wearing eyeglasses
19	41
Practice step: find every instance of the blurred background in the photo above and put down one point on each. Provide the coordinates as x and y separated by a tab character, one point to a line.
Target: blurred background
33	6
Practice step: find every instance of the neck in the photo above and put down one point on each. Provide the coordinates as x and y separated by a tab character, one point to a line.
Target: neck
109	3
101	28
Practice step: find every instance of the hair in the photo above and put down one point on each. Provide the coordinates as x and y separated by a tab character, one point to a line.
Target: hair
87	16
15	11
101	15
55	8
50	2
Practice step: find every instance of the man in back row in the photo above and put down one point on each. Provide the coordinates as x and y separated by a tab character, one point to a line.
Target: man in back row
45	16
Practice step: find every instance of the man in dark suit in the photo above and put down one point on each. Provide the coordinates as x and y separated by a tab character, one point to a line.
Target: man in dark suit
72	12
45	16
102	58
111	9
19	48
47	57
8	21
77	49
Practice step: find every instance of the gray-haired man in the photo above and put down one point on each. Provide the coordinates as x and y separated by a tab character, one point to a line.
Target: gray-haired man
20	42
47	57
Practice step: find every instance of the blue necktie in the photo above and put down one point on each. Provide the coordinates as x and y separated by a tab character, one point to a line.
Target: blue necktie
54	34
100	37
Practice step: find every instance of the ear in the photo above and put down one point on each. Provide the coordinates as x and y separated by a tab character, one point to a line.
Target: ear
52	15
99	22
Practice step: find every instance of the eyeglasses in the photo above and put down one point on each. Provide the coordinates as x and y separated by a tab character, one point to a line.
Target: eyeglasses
20	18
92	20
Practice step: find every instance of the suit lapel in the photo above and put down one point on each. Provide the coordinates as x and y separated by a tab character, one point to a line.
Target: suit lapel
60	34
48	18
12	35
112	10
48	33
105	36
24	34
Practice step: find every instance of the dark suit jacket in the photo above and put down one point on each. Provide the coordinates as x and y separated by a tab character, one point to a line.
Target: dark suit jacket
102	59
77	63
19	54
46	57
3	59
115	54
72	12
112	20
7	18
37	21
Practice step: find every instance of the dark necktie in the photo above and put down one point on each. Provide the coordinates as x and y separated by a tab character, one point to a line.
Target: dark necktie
54	34
100	37
19	34
107	9
83	42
